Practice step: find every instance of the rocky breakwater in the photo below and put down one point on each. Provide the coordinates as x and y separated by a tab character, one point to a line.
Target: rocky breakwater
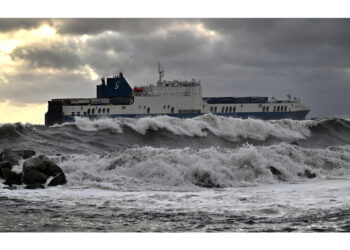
37	171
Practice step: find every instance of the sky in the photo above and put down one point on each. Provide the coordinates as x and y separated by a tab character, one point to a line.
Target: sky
42	59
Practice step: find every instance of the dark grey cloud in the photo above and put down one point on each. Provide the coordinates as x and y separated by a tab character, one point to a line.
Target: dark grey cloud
270	57
285	33
29	87
10	24
52	56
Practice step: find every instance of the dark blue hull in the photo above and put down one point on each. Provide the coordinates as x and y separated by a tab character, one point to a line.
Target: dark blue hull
296	115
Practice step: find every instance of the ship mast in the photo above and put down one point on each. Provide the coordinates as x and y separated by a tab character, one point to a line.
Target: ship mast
161	73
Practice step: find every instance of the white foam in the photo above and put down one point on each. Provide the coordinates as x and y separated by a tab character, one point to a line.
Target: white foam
163	169
95	125
225	127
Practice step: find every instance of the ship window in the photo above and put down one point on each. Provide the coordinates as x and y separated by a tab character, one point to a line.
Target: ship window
103	110
267	109
78	113
84	113
222	109
211	109
234	109
215	109
139	106
278	108
99	111
107	110
73	113
230	110
168	106
88	111
263	109
93	111
285	108
274	108
164	107
172	110
148	110
226	109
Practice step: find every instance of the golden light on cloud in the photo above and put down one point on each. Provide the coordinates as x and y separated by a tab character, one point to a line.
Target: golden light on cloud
197	29
11	40
32	113
87	72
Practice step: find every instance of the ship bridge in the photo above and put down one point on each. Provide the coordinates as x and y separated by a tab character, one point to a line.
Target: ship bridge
170	88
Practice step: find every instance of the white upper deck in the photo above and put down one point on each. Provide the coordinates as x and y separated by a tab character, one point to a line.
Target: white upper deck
170	88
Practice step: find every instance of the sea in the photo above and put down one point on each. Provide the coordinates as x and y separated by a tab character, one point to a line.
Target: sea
165	174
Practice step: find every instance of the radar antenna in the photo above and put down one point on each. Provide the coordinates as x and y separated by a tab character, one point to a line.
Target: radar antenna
160	72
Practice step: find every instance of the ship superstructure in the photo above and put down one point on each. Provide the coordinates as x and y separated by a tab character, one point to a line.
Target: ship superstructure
115	98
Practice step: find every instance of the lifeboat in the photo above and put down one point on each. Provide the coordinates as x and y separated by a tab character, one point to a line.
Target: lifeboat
136	89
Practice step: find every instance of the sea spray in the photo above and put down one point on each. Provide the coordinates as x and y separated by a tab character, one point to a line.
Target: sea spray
162	168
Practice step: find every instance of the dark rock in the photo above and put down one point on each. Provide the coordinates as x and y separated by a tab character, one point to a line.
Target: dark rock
4	164
34	186
42	164
309	174
10	156
294	143
34	176
25	154
37	170
13	157
59	179
276	172
11	178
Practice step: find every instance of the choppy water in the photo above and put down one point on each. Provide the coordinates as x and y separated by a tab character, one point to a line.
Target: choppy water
167	174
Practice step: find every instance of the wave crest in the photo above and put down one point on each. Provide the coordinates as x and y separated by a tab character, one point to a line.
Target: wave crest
229	128
159	168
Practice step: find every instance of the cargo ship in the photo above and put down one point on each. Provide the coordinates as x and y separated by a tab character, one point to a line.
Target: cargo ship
183	99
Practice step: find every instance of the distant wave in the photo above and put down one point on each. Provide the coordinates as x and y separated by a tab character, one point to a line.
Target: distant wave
106	135
225	127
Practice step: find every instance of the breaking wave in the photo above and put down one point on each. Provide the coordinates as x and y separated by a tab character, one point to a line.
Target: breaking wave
213	167
107	135
225	127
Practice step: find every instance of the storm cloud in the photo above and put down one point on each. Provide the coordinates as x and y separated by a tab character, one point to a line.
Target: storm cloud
11	24
271	57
